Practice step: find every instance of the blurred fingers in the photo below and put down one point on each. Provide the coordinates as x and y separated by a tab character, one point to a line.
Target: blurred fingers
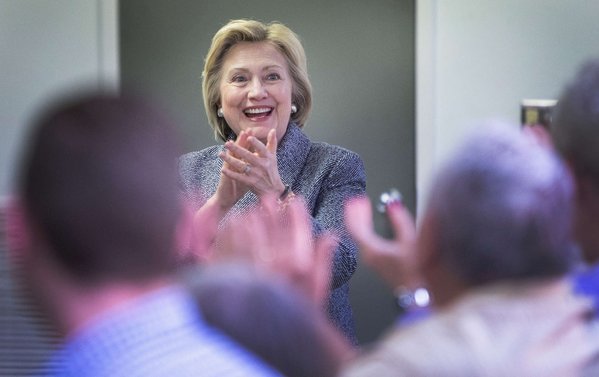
402	221
358	218
271	141
323	258
300	229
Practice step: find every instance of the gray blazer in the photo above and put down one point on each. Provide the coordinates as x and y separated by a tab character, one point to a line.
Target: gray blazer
325	175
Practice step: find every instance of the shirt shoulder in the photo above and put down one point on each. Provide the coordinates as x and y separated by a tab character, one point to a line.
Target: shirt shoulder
158	335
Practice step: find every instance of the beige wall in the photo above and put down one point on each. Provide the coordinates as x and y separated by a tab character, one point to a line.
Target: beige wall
477	59
45	46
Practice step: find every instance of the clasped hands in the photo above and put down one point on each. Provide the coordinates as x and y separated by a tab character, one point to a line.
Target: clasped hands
249	164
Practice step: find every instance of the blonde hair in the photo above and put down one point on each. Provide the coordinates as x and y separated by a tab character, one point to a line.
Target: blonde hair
278	35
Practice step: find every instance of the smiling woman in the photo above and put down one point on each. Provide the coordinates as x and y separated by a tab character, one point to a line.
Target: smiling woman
257	97
256	90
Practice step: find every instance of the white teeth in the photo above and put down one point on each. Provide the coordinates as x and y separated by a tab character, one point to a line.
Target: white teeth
258	110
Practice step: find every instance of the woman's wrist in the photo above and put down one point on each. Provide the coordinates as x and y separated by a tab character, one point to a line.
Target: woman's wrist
217	204
285	198
285	192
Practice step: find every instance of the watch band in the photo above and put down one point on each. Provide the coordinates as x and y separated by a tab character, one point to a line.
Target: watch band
408	299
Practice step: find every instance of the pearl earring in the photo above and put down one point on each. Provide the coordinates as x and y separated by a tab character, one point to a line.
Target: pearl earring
293	109
219	112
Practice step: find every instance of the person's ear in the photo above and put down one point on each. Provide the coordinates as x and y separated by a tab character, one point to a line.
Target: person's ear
539	134
587	195
184	232
17	230
428	243
586	190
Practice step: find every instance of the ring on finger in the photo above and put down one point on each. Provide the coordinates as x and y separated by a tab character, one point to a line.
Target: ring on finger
246	169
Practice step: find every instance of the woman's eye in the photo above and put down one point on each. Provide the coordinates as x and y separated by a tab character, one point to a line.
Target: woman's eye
238	79
273	76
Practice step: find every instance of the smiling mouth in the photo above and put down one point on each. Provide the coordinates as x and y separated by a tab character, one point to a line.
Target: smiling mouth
258	112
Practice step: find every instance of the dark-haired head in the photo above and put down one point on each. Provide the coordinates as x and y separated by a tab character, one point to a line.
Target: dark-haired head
98	181
575	126
575	132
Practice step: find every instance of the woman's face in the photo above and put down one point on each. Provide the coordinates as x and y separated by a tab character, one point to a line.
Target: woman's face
255	89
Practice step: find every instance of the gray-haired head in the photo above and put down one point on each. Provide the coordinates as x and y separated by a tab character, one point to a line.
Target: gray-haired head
502	206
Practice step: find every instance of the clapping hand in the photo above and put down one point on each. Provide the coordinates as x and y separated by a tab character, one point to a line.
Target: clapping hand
395	260
252	164
280	241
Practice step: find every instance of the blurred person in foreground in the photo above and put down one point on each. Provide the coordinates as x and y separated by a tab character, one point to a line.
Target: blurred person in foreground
575	135
269	317
92	231
266	286
494	250
258	97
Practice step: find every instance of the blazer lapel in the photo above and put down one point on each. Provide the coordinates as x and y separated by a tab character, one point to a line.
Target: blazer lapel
292	154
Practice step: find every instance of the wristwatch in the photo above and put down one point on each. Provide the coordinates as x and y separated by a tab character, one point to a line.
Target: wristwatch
408	299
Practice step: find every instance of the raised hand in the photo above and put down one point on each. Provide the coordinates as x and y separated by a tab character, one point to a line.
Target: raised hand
280	242
395	260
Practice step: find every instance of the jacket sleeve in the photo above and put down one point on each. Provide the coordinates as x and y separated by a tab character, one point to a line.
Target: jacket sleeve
346	179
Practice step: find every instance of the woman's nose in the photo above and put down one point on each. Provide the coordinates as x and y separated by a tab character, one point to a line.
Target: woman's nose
257	90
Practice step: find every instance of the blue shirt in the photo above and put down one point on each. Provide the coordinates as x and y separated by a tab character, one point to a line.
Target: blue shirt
161	334
586	283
